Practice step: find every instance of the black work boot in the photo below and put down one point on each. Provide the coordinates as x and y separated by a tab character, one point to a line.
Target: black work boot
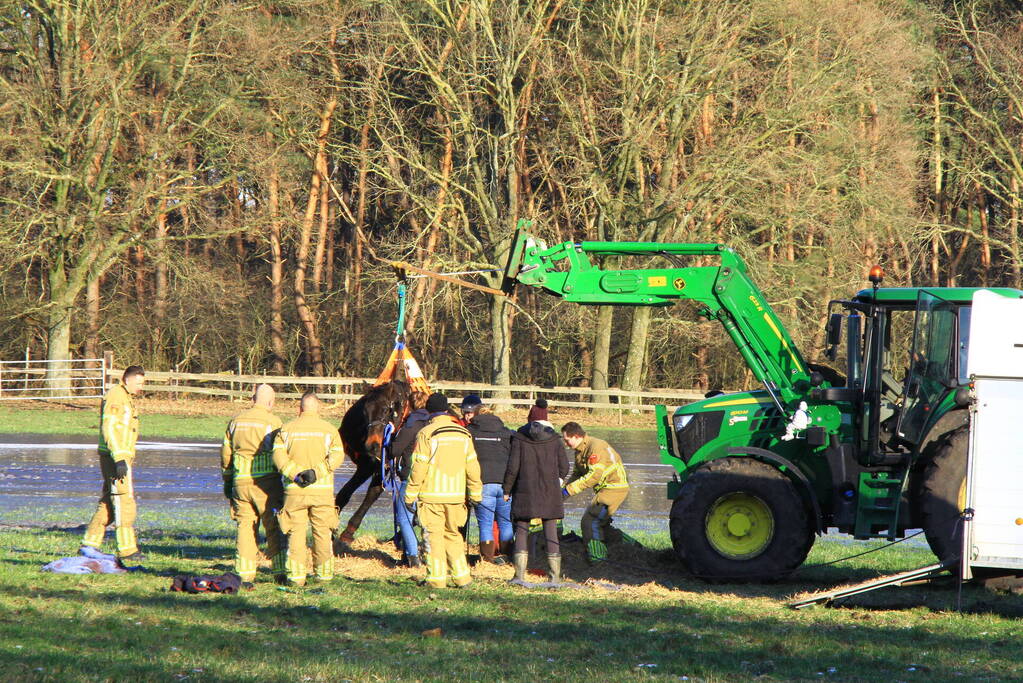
133	560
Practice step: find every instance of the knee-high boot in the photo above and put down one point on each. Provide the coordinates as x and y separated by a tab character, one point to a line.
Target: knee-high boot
521	561
554	576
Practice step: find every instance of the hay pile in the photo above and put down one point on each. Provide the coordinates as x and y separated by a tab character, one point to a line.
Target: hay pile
630	569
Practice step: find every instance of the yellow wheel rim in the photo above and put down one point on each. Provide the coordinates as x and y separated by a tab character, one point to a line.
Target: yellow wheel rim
739	526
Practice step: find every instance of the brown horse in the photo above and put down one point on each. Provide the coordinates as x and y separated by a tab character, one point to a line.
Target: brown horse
362	433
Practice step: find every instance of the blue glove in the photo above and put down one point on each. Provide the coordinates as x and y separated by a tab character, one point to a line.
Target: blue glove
565	493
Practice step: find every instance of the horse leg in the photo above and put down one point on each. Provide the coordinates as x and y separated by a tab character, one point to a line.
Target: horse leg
376	487
361	474
364	469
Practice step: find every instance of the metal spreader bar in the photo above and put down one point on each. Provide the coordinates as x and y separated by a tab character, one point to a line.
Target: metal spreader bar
873	584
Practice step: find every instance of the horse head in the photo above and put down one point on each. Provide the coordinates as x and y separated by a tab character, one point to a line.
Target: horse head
364	425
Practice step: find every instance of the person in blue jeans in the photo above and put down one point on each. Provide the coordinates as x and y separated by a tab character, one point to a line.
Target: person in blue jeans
493	445
401	452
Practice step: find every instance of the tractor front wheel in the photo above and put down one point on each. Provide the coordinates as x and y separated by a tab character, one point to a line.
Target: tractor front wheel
943	496
739	519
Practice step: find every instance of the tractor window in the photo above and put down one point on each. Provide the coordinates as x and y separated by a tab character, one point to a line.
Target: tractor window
932	364
964	341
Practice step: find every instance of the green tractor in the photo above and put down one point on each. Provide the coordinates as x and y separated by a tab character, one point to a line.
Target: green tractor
872	450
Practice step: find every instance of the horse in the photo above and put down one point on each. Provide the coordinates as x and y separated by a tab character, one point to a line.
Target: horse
362	435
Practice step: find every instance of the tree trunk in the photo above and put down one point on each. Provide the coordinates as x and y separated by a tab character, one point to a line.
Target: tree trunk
635	360
139	259
602	352
1014	221
321	237
92	301
160	280
276	274
937	201
58	330
314	351
500	332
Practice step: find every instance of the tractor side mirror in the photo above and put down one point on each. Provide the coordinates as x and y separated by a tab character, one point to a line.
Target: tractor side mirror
834	335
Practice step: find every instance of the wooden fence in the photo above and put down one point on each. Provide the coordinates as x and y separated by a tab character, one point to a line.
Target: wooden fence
238	386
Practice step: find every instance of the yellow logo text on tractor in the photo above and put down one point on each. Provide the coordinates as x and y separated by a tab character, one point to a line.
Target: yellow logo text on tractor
657	281
755	302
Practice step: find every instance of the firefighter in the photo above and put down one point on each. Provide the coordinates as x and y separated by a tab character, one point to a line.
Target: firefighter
252	484
119	430
597	466
444	474
307	452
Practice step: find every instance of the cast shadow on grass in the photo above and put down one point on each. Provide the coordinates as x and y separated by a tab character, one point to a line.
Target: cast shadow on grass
574	635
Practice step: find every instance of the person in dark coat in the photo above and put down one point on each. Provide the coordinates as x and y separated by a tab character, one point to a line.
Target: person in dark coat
538	411
493	443
401	452
537	466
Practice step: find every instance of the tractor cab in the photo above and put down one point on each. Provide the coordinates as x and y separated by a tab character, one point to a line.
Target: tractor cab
904	354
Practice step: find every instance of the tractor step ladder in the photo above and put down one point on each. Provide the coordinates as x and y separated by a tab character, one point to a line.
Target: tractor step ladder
928	572
878	506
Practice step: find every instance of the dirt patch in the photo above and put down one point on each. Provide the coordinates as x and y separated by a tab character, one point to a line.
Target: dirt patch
630	569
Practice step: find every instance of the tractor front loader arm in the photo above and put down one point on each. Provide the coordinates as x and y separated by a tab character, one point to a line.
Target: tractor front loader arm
567	270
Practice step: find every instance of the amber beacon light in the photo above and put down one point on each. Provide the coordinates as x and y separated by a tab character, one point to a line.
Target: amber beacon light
876	275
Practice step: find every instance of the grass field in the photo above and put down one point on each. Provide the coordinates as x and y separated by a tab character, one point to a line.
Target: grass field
82	419
636	619
206	419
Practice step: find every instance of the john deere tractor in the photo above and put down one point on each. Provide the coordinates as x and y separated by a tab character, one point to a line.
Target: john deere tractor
872	449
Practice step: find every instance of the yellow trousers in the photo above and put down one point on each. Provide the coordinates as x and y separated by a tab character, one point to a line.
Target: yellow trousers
116	506
254	503
298	512
445	547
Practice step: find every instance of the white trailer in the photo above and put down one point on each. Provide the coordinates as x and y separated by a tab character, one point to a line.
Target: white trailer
993	533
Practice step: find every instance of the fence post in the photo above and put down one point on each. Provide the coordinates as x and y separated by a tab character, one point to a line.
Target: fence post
28	357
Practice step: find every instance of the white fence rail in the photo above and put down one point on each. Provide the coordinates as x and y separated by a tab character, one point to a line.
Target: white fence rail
22	380
237	386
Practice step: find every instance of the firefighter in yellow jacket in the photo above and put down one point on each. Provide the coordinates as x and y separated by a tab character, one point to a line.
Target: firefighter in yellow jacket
307	452
252	484
119	430
445	473
597	466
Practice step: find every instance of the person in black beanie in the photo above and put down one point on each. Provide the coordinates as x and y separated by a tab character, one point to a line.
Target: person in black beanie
537	466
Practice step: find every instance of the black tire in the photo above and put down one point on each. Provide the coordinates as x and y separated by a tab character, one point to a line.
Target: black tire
942	491
697	527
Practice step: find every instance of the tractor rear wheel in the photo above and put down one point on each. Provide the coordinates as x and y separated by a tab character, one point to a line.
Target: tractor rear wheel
738	519
943	495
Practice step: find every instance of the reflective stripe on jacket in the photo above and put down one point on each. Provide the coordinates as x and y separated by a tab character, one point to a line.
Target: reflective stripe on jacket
444	464
119	424
247	450
308	443
597	465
